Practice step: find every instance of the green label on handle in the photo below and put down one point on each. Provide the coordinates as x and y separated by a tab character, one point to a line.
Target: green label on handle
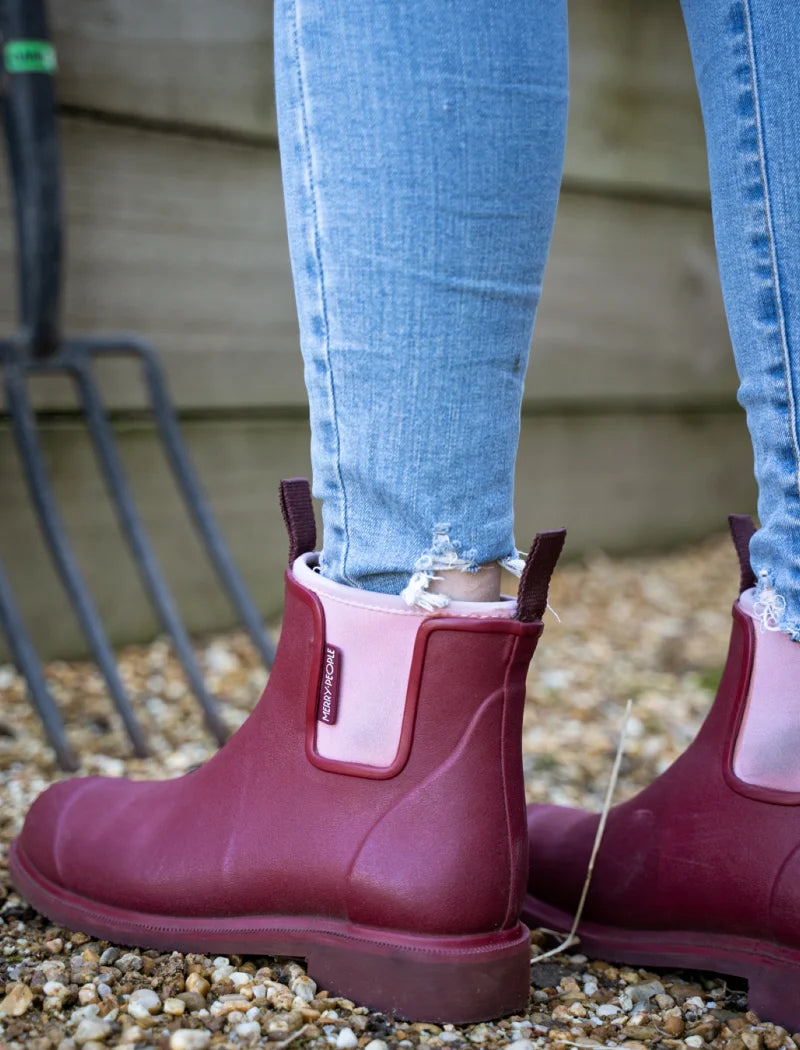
29	56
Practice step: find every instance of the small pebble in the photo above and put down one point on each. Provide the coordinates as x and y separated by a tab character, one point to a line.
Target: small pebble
195	982
303	987
481	1034
18	998
193	1002
346	1039
174	1007
376	1044
129	963
91	1030
607	1010
642	993
752	1039
189	1039
146	998
672	1022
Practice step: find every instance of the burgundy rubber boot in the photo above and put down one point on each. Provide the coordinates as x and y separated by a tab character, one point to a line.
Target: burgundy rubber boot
369	815
699	870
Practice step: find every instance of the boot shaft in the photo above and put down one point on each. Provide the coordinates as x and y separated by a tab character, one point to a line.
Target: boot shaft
435	837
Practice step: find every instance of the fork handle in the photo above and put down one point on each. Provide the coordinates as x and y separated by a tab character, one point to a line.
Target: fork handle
29	119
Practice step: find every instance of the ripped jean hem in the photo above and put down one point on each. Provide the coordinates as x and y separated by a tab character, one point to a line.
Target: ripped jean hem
770	608
447	555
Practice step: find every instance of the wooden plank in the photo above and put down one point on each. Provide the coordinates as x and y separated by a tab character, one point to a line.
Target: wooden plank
184	241
631	308
630	482
635	119
198	63
624	482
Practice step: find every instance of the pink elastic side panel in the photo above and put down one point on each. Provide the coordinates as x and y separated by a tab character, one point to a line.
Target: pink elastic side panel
375	635
768	748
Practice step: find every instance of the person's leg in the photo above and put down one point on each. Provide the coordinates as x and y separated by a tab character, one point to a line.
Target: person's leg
702	868
421	147
747	55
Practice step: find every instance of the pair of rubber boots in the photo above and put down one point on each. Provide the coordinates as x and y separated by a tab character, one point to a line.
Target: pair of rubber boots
370	817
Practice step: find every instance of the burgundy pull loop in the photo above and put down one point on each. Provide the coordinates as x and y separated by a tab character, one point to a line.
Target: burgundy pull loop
535	580
298	515
743	529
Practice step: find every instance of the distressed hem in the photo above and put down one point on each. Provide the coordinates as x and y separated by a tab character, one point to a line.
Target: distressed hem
769	608
448	555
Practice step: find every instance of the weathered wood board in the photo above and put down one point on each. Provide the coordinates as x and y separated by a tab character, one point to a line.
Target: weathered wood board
616	481
197	63
635	119
184	240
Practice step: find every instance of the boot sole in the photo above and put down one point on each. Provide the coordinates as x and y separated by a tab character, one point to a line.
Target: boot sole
772	972
460	980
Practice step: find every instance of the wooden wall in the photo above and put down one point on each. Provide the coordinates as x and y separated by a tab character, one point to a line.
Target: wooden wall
631	434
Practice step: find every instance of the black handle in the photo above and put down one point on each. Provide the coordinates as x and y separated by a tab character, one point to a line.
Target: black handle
31	133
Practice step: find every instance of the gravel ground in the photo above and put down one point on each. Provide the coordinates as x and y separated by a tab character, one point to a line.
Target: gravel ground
653	629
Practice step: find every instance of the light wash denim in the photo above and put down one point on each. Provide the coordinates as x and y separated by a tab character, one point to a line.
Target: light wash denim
422	147
747	62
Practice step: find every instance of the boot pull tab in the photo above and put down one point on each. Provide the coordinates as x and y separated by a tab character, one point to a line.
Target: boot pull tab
535	579
298	515
743	529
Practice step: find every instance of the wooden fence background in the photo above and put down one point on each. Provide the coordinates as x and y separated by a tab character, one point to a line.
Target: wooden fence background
631	434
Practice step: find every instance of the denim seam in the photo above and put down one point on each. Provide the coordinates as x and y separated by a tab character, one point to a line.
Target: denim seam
776	284
317	241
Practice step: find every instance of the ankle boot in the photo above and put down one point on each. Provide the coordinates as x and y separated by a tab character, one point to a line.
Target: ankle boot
369	815
701	869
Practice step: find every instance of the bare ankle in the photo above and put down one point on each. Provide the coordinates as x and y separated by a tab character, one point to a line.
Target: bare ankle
482	585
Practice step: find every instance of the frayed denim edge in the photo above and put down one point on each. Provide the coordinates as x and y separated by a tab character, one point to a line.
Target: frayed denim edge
769	608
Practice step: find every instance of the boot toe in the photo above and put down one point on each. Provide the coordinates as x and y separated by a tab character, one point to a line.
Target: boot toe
50	816
59	838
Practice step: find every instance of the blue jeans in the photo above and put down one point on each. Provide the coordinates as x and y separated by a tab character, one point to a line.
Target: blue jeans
746	56
422	147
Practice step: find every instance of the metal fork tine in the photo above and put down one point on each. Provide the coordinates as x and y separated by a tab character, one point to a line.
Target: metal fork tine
139	543
199	508
25	433
27	662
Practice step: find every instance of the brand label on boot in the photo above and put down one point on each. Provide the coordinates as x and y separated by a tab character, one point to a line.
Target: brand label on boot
329	686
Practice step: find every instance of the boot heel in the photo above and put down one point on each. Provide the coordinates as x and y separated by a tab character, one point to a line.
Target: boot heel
773	994
435	979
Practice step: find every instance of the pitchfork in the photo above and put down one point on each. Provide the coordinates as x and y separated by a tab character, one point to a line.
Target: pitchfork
37	349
